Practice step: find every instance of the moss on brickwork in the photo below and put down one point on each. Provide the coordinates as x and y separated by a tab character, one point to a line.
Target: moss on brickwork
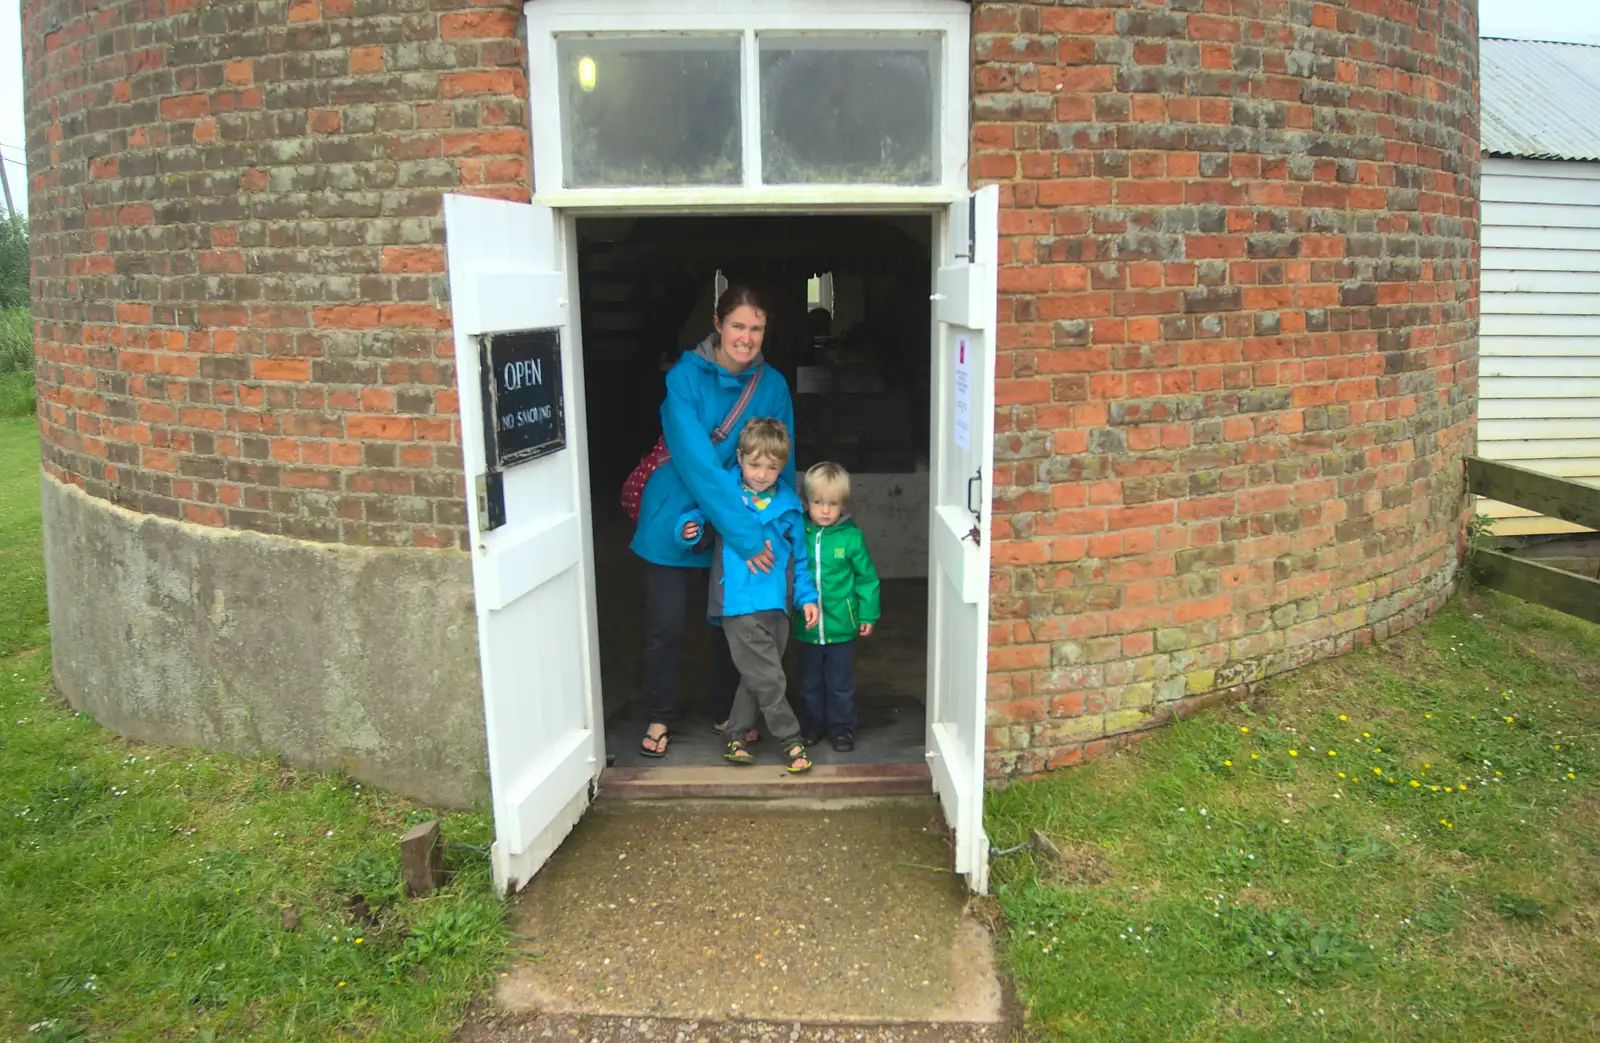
1238	345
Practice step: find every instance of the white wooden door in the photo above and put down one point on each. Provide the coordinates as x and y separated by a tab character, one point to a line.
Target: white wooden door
958	576
533	575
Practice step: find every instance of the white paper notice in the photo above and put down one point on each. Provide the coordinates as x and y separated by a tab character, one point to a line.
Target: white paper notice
963	393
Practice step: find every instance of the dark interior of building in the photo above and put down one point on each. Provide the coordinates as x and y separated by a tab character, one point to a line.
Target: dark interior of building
849	329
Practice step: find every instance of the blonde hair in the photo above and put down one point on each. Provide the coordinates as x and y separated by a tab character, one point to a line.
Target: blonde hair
828	477
765	436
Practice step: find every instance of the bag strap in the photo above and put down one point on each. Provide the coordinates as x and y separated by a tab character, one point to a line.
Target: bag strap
723	429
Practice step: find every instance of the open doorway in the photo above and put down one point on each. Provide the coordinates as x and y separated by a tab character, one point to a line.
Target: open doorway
849	330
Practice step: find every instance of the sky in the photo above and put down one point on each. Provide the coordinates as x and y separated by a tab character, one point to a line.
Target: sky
1574	20
11	133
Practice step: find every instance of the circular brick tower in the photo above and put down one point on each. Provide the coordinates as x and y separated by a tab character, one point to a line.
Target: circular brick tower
1238	347
1237	356
252	486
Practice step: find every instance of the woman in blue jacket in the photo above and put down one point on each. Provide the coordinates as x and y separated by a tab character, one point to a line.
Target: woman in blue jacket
702	388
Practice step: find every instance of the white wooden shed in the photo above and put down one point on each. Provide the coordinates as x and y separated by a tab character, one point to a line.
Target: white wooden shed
1539	363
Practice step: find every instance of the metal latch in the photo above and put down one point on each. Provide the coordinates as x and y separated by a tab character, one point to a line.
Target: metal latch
975	487
491	492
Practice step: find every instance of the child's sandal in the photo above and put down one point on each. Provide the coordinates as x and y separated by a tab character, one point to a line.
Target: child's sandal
737	753
798	761
751	737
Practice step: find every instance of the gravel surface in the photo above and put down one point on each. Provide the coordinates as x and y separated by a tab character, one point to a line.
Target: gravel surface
823	913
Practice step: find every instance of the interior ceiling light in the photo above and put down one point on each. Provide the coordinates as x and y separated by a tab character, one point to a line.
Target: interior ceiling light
586	73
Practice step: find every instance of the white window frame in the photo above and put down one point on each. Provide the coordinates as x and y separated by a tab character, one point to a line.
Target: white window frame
950	19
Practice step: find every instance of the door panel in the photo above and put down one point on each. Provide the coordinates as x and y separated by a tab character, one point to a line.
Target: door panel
532	576
963	455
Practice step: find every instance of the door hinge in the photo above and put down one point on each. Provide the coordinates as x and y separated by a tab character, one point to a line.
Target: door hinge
491	490
972	231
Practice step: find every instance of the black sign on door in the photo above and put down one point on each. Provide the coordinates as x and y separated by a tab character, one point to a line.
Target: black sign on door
524	415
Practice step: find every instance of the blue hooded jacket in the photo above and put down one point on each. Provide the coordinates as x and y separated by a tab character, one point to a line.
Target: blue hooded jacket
699	395
735	590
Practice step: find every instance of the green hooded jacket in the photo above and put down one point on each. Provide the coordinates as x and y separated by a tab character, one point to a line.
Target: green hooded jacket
844	574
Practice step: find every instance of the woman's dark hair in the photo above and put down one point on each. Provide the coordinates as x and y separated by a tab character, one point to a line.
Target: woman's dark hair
737	295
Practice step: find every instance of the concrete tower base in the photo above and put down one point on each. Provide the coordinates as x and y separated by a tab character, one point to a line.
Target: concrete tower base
332	657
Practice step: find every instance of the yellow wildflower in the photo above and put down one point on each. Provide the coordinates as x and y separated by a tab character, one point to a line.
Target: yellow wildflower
1461	785
1447	789
360	940
1428	716
1341	774
1510	719
1377	771
1366	735
1227	764
1294	753
1255	756
1425	764
1243	729
1571	776
1434	788
1342	717
1415	784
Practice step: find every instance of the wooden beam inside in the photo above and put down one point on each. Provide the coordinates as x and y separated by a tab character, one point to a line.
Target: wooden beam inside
1562	498
1553	588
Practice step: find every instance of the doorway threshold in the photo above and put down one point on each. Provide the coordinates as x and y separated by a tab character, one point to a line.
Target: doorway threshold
766	782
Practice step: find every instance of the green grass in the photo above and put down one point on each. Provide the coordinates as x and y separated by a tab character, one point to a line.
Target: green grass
17	393
142	890
1270	871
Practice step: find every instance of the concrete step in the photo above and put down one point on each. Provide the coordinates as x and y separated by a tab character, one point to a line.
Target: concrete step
494	1027
766	782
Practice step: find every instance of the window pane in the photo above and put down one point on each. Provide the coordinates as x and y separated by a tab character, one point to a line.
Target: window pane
662	110
846	111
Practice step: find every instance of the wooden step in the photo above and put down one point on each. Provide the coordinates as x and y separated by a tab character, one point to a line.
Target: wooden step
766	782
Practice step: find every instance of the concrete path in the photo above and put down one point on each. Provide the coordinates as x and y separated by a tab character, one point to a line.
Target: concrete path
590	1028
744	920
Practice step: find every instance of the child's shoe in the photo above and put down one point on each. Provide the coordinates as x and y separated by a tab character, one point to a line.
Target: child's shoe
795	752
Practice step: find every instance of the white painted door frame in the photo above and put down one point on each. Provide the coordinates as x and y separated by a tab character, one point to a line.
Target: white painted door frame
530	822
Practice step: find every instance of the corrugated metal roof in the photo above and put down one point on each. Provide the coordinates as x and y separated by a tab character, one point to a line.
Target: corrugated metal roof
1540	100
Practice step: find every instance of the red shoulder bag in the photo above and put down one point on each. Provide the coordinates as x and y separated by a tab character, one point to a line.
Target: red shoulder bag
633	487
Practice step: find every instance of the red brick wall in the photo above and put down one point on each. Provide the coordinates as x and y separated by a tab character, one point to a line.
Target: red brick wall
241	311
1237	350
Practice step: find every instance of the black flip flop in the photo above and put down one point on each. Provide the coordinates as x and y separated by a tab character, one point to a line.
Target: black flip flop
657	739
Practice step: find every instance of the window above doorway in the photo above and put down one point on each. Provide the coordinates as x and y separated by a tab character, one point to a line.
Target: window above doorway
674	103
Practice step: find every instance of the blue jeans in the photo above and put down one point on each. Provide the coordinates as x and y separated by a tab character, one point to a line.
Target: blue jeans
828	688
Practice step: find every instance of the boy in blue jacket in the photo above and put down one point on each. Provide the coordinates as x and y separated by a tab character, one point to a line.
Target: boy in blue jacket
753	606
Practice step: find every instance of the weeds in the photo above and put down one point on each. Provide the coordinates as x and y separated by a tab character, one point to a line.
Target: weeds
17	395
1399	844
148	893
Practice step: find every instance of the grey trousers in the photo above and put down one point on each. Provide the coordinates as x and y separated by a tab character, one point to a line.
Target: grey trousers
757	642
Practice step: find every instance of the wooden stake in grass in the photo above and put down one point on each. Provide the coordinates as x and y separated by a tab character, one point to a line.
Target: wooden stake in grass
422	859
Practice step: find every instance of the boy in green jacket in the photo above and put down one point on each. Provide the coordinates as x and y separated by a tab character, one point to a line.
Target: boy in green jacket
844	574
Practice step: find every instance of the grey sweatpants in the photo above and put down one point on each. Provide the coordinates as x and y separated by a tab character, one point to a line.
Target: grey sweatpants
757	642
